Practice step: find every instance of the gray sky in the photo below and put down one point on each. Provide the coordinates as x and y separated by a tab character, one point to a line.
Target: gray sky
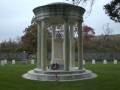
16	15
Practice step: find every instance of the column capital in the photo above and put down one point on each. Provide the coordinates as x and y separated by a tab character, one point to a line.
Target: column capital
64	18
54	27
38	21
79	21
54	24
71	24
43	19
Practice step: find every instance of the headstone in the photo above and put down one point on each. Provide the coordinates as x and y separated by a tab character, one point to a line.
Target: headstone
2	62
93	61
24	61
32	61
5	61
115	61
83	61
13	61
104	61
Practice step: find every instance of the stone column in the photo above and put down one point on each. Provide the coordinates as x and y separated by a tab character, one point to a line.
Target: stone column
53	37
43	46
39	46
66	44
80	46
72	49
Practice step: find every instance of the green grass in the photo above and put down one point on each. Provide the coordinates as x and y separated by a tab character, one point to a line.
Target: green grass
108	78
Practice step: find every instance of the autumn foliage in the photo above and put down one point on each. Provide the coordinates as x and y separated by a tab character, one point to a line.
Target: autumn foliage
88	33
29	40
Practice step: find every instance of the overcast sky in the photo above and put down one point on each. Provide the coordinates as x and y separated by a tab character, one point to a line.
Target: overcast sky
16	15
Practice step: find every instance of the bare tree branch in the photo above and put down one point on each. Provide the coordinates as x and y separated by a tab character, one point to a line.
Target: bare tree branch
84	3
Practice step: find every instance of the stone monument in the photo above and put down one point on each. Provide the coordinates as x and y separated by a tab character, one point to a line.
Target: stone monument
58	53
24	61
63	54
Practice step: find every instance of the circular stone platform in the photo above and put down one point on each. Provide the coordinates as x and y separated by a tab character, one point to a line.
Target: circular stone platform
49	75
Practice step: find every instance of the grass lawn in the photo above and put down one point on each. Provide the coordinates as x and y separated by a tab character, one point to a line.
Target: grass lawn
108	78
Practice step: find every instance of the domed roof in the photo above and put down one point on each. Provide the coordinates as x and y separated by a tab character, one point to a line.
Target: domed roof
58	11
58	3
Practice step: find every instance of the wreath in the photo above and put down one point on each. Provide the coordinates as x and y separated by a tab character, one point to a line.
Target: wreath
55	66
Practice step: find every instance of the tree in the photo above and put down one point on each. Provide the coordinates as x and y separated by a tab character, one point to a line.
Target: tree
112	9
88	33
10	46
29	40
77	2
84	3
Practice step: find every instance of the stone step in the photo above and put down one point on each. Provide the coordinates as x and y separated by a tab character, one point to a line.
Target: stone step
61	77
72	71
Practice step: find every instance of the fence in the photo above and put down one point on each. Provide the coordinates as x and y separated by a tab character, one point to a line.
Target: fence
86	56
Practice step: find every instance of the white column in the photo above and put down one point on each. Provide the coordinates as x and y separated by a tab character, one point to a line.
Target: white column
53	37
80	46
66	44
39	46
72	49
43	46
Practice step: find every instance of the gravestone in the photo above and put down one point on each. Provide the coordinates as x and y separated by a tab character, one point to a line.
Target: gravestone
5	61
32	61
93	61
104	61
115	61
24	61
13	61
2	62
83	61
